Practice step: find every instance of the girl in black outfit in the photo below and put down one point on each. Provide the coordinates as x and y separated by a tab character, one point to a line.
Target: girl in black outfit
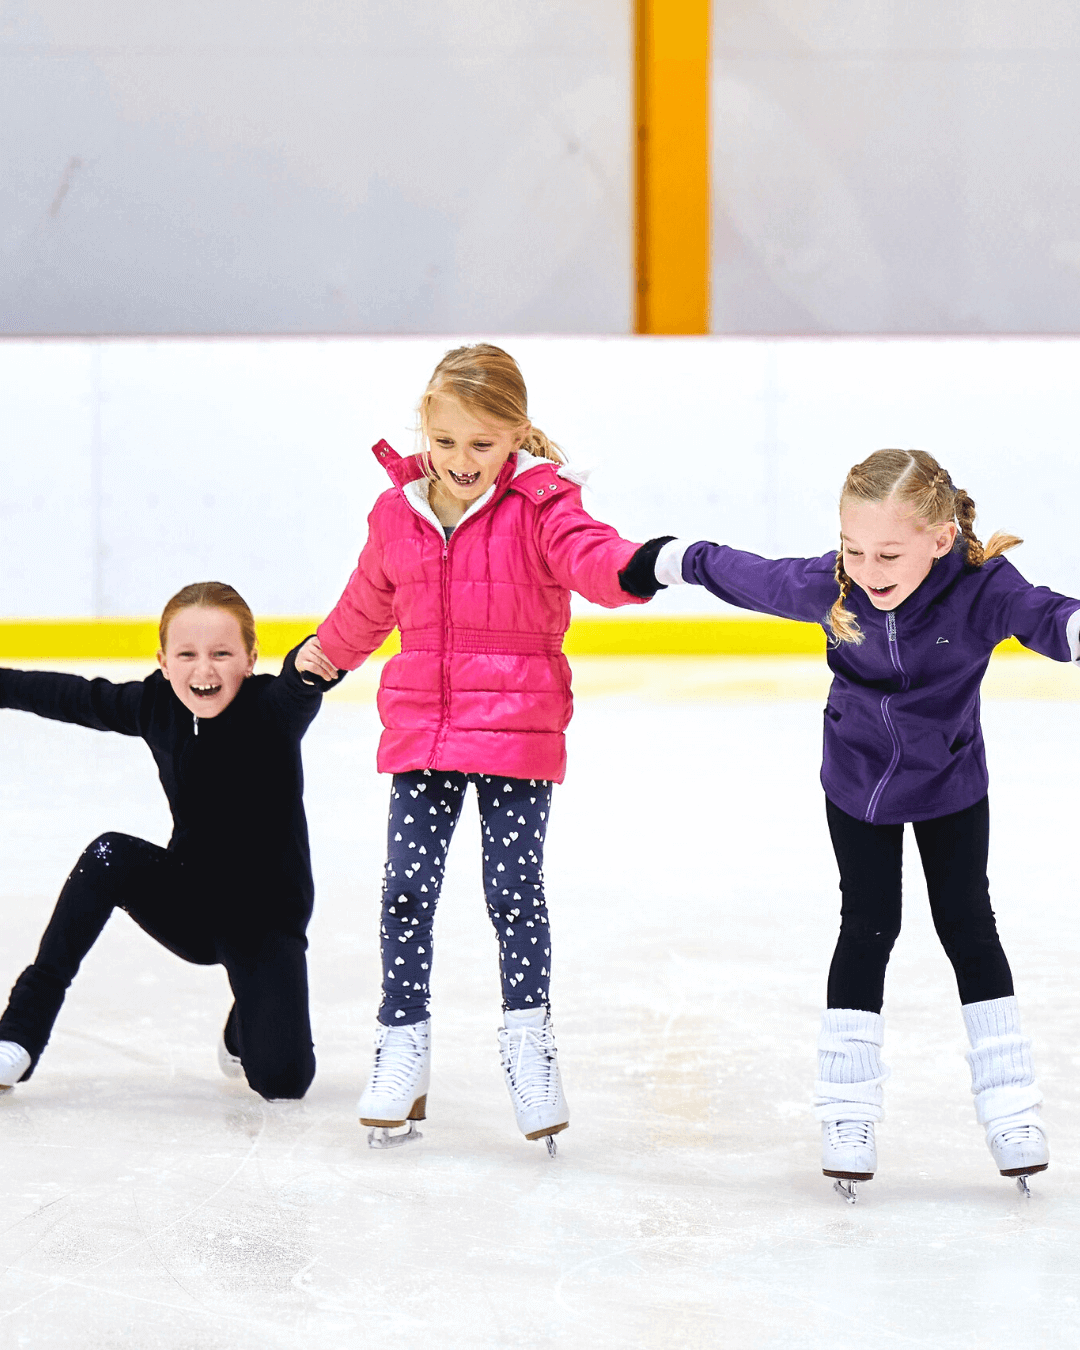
234	885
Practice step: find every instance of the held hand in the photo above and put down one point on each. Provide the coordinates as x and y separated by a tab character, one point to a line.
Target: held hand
311	657
638	577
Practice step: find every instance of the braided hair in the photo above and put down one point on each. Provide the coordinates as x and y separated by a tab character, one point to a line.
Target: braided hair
917	481
844	624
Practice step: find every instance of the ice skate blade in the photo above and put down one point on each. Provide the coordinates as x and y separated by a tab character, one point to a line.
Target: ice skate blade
380	1137
552	1147
1020	1176
848	1187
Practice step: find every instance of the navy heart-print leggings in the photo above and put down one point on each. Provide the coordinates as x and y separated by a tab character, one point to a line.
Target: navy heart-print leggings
424	809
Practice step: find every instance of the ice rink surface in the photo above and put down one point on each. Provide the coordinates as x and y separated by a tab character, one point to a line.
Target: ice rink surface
148	1202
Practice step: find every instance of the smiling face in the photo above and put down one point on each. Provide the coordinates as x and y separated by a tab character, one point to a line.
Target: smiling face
466	453
205	659
887	551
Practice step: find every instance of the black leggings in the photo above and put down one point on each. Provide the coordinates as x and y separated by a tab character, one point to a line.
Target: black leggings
953	850
268	1026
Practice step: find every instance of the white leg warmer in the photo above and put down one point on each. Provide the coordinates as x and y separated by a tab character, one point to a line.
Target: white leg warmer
850	1071
1002	1072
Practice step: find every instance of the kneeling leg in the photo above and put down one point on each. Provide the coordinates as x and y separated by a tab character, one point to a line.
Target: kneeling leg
110	872
270	1026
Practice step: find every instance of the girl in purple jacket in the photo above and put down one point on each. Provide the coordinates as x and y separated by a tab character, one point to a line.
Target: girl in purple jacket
913	606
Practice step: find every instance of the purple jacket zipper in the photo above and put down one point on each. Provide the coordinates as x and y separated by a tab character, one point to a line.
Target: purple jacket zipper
898	665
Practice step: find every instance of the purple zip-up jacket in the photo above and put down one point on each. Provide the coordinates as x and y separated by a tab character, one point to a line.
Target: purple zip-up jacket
903	738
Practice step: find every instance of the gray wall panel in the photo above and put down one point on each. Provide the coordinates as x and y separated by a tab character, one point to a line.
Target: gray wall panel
327	167
896	167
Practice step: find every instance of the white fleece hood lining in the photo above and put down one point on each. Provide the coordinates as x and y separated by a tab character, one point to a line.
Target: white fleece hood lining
416	492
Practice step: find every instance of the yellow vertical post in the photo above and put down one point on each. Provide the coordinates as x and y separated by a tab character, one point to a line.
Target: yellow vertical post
672	170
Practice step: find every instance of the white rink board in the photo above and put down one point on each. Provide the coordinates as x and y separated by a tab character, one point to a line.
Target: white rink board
129	468
150	1202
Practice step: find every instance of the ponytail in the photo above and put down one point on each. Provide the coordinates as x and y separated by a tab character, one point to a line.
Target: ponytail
536	443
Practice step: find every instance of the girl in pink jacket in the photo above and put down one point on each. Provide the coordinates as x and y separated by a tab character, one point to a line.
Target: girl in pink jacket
472	553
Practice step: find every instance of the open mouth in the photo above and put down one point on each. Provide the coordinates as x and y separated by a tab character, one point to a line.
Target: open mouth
464	479
880	592
205	690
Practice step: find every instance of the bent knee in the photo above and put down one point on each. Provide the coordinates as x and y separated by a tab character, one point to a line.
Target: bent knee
109	850
103	850
283	1079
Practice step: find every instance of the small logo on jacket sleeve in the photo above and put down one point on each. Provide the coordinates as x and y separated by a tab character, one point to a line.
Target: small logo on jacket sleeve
942	641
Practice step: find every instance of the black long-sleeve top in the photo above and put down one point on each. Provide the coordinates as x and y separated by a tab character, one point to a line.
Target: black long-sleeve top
234	782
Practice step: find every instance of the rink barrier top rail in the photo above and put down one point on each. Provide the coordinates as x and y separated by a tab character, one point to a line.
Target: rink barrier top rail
129	639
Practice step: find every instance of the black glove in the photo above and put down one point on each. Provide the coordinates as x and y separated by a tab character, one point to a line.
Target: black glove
638	577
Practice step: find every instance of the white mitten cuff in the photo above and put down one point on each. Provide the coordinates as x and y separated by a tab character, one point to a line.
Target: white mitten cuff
668	565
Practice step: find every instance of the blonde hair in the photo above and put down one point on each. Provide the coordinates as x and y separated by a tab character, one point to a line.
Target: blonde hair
210	595
915	480
487	381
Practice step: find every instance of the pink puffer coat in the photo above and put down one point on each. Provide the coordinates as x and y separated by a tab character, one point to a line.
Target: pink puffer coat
481	684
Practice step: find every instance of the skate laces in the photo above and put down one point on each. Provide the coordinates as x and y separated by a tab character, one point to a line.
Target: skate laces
529	1060
1028	1133
399	1054
852	1133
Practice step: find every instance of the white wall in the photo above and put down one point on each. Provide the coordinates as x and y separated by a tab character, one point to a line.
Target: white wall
129	468
267	166
896	166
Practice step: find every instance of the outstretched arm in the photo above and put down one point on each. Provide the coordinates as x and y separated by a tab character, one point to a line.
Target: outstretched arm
98	704
1042	619
790	588
583	554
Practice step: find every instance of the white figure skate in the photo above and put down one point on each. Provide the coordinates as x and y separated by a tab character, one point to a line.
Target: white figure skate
1019	1147
397	1090
14	1062
848	1095
229	1064
1006	1095
848	1154
531	1069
